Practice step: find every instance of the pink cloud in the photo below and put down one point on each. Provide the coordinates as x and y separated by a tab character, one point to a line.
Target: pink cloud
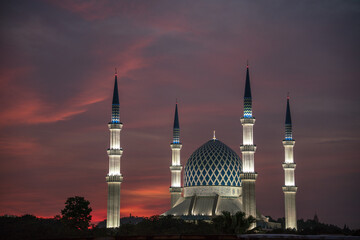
89	10
12	145
93	10
31	107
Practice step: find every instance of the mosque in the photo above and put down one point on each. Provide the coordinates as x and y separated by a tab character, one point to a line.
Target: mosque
215	178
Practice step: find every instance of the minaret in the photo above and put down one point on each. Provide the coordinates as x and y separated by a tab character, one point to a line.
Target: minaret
289	167
114	177
175	168
248	175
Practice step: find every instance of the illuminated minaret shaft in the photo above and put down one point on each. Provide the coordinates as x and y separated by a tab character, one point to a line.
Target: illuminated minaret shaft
289	168
114	177
248	175
175	168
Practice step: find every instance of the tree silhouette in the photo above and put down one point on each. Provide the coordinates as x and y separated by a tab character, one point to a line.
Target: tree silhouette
237	223
76	213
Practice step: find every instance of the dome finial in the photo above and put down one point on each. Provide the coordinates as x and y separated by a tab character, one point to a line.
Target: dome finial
214	137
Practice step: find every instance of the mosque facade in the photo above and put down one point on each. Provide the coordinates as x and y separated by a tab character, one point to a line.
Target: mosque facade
215	178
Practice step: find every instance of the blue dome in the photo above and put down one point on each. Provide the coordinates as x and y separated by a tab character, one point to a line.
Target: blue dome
213	164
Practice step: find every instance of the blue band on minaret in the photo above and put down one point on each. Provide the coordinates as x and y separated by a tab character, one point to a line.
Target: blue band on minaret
247	96
288	125
176	129
115	116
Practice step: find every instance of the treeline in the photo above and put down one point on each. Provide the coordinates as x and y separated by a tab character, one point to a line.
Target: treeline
313	227
75	218
164	225
31	227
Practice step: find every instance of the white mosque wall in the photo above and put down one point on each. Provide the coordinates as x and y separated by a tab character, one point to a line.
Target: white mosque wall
230	205
227	191
203	206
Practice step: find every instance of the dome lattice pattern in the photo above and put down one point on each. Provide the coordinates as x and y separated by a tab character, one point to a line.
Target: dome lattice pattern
213	164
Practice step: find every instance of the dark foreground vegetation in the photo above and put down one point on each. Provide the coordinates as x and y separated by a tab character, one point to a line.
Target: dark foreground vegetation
31	227
75	218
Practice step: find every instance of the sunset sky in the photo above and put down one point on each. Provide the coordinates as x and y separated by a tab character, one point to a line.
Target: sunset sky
57	61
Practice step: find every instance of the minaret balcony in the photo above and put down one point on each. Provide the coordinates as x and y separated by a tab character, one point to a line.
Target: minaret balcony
247	148
114	178
290	189
175	189
112	125
176	146
114	151
250	120
176	168
250	176
288	142
289	166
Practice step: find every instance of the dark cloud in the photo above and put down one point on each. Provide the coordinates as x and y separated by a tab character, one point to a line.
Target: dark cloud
56	79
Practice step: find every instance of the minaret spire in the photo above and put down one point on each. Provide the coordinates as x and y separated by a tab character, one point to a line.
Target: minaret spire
115	116
176	128
289	166
247	96
175	167
114	177
116	93
288	125
248	175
